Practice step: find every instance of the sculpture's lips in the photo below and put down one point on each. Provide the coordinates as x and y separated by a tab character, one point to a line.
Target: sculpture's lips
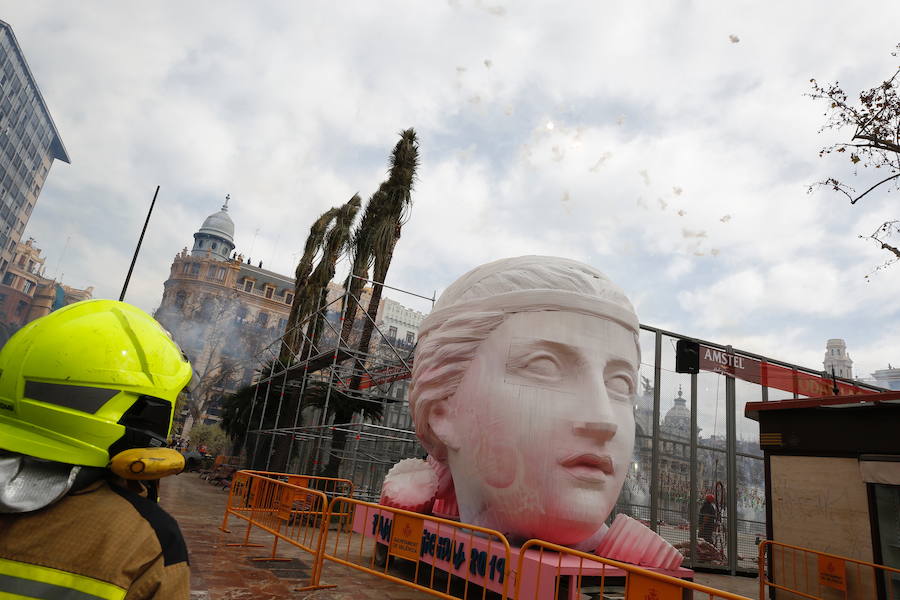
588	466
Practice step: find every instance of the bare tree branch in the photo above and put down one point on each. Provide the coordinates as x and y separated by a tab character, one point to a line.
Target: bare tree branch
885	180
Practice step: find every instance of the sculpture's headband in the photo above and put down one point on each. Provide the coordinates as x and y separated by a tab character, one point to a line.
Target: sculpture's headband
531	284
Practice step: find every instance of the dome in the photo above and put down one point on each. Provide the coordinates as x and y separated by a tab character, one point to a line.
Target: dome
219	225
678	419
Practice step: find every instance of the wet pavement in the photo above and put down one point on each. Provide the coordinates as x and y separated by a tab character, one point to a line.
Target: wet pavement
223	572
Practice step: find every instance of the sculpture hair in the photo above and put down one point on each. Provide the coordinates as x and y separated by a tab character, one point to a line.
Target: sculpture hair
479	301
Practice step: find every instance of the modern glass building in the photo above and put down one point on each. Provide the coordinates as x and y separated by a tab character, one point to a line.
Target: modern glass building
29	142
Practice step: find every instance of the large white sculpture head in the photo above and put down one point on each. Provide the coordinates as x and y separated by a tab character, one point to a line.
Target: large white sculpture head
523	385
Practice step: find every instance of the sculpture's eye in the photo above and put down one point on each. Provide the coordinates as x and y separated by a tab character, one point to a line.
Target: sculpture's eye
539	365
620	386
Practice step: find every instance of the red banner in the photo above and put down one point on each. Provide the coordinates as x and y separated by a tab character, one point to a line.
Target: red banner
384	376
774	376
806	384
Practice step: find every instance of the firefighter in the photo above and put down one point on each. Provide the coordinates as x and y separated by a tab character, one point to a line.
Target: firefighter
86	397
708	518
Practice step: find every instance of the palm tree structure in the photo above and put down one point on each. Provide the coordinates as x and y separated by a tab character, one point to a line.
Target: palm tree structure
394	199
332	235
313	246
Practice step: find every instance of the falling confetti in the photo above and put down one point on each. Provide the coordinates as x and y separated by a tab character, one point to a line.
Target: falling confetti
558	154
603	158
488	62
682	212
645	176
550	125
734	39
677	190
565	202
662	204
714	251
460	70
620	120
726	218
687	233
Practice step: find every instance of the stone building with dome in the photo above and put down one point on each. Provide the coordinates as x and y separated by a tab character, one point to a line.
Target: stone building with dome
222	311
675	456
674	459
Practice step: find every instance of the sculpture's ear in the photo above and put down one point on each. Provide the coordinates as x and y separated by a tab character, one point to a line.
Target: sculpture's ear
441	421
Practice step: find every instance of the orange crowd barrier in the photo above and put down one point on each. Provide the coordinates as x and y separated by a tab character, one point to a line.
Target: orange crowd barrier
797	572
443	558
546	571
287	507
330	486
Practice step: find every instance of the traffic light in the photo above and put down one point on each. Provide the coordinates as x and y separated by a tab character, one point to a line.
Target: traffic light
687	356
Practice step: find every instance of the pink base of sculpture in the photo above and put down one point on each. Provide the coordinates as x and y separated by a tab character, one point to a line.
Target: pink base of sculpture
539	572
412	485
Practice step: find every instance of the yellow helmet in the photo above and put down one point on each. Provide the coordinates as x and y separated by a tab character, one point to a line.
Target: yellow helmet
88	381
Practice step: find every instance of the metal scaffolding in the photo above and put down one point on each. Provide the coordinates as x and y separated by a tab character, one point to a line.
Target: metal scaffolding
314	357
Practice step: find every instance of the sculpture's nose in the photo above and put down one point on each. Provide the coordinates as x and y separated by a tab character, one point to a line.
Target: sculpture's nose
604	430
595	418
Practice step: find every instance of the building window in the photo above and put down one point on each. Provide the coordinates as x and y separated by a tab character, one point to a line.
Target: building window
216	273
200	244
185	267
2	298
180	299
392	332
288	298
8	279
262	319
214	245
282	324
195	268
21	306
28	287
248	285
241	314
410	337
269	291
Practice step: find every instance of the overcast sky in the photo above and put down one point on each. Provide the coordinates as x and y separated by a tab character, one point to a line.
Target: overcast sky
669	145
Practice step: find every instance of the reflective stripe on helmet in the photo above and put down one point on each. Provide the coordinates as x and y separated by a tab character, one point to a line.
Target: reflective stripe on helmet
78	397
32	581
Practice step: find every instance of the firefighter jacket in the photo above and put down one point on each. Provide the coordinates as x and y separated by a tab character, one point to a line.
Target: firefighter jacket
102	542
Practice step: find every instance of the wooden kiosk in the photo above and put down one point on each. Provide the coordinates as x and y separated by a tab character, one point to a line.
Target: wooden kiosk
832	468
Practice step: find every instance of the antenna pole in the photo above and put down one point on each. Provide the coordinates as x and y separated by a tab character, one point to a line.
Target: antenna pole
138	247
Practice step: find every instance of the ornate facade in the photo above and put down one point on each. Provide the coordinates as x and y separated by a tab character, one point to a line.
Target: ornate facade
222	311
25	294
838	359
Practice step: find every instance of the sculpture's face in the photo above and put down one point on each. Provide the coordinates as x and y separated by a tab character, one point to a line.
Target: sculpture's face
540	431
